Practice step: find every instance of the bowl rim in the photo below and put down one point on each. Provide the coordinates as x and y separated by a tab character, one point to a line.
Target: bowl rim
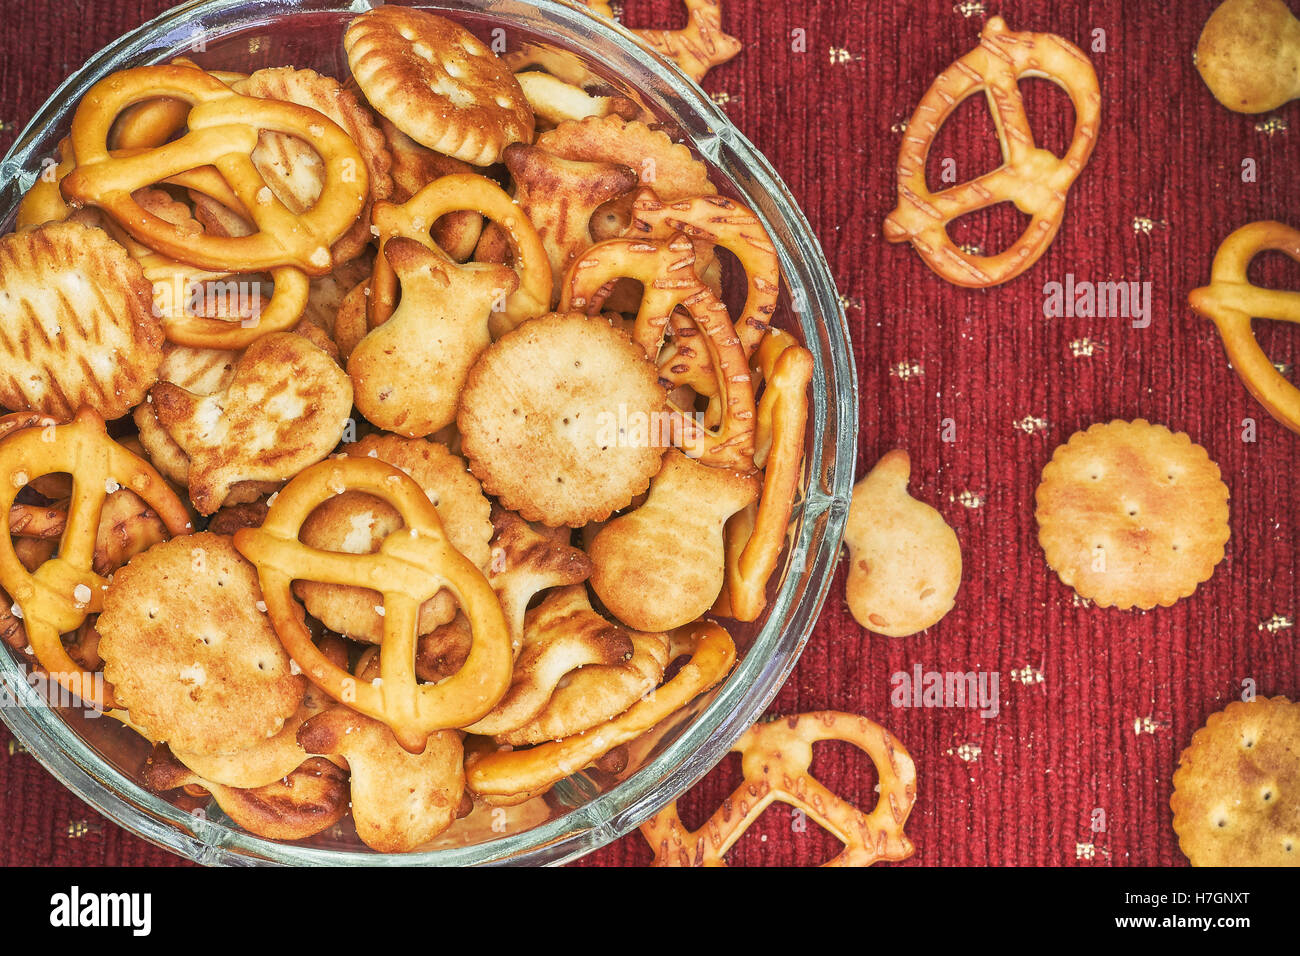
756	677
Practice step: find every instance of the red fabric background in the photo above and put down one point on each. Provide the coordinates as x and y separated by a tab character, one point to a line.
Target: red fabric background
1096	704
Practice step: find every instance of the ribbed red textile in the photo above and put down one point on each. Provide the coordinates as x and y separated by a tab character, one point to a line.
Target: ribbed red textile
1095	704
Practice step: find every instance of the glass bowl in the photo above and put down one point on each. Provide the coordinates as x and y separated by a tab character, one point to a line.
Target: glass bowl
99	759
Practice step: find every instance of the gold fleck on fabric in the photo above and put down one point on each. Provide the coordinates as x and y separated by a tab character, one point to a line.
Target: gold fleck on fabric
1027	675
1031	424
906	371
1085	347
967	752
1278	622
1148	725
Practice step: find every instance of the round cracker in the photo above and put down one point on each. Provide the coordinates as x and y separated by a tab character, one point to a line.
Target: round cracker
1236	798
564	420
357	523
1132	515
76	323
438	83
191	657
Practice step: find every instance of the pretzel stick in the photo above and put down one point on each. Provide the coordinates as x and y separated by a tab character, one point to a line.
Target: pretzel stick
756	537
1230	301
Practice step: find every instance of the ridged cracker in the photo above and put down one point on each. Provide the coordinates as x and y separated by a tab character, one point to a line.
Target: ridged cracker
76	323
1132	515
190	656
1236	798
545	414
437	83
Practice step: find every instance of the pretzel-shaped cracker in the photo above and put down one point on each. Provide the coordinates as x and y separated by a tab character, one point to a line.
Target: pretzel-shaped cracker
666	270
756	536
1230	301
462	191
1032	178
506	776
775	758
223	132
56	598
721	222
411	566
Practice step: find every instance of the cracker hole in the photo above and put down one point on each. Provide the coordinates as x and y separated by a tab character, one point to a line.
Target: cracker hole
1248	743
1266	796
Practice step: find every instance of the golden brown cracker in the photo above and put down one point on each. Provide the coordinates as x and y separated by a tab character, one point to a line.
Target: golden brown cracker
409	372
310	797
76	323
1236	798
189	654
400	800
904	559
1132	515
596	693
437	83
526	560
561	635
662	566
560	419
284	409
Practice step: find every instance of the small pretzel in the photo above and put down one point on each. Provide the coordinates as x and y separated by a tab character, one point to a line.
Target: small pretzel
720	221
57	597
666	270
1230	301
153	122
512	776
756	536
775	758
411	566
700	45
223	132
1032	178
463	191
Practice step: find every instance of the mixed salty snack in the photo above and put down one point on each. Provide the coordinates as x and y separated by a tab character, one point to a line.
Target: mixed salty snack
386	446
436	452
